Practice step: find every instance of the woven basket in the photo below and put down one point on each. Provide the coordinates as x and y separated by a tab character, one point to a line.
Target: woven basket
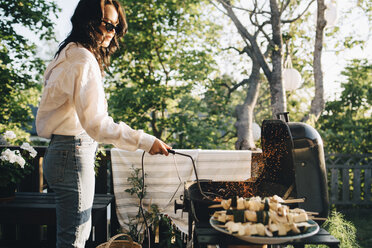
112	243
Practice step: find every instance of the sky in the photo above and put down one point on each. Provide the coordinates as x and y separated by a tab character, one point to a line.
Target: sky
332	64
63	26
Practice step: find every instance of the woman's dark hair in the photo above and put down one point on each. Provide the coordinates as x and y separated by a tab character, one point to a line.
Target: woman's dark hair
85	28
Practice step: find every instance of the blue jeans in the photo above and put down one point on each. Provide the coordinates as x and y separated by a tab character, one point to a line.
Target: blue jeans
69	170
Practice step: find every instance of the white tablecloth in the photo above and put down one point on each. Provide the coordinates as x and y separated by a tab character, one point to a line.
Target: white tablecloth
165	177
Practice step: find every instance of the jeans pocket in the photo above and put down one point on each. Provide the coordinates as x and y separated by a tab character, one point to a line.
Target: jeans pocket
54	165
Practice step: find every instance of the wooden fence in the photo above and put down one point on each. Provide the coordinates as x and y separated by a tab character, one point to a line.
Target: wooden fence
349	179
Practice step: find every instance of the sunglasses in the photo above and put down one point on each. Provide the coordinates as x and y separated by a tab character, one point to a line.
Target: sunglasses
109	27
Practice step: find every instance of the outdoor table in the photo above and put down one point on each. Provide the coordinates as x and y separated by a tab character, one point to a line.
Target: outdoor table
206	235
39	208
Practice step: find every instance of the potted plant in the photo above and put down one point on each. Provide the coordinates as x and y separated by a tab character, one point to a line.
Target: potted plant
14	165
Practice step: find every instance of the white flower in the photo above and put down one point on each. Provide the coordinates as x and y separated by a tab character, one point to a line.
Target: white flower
8	155
3	157
33	153
13	157
9	135
20	161
26	146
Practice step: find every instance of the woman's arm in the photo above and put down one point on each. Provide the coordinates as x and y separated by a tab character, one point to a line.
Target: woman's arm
91	108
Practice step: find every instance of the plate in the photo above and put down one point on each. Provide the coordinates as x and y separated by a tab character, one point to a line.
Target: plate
268	240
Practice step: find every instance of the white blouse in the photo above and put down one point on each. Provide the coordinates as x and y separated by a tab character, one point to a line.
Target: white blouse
73	101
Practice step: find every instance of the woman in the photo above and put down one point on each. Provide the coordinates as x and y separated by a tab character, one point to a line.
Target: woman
73	114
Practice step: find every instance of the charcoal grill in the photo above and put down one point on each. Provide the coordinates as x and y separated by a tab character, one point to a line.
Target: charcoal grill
291	165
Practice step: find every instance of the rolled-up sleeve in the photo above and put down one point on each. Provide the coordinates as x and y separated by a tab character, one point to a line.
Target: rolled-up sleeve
91	107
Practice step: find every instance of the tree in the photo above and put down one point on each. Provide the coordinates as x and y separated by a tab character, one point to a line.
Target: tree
19	67
163	69
269	31
244	112
163	82
317	104
346	122
263	44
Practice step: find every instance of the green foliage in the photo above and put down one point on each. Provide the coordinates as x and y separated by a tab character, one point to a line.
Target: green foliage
100	154
163	68
361	217
136	225
206	123
136	181
22	135
346	122
19	67
169	236
345	35
341	229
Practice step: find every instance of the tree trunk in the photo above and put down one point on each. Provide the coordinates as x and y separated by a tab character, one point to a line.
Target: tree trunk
244	112
157	133
317	104
246	36
278	99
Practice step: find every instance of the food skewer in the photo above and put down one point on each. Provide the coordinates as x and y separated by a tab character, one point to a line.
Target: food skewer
312	213
263	223
227	203
215	206
298	200
317	218
264	217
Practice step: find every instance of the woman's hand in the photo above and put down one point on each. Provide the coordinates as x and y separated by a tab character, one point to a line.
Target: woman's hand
159	147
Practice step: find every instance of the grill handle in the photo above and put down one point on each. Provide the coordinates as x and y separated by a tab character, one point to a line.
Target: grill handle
285	116
196	173
177	206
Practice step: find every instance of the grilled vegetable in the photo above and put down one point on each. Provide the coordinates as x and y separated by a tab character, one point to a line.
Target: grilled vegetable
238	216
267	217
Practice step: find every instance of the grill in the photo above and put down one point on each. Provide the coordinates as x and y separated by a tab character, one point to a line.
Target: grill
291	165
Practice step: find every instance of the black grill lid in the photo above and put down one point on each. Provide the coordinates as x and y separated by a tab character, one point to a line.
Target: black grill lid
310	168
277	146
